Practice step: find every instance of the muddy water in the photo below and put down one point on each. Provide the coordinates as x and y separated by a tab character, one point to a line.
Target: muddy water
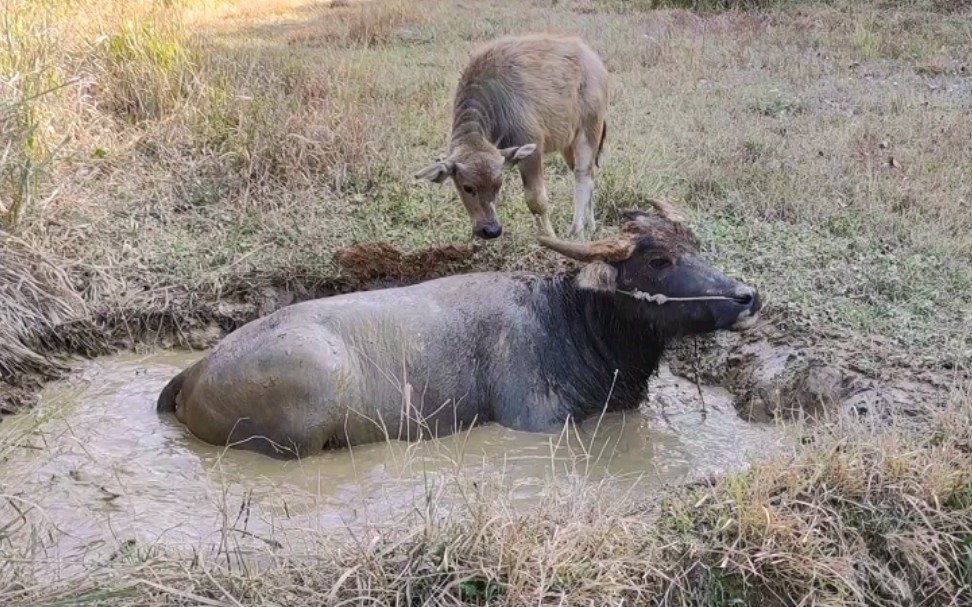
97	472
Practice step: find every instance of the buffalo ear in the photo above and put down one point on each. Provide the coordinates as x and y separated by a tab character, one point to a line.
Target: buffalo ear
598	276
437	172
515	154
633	215
666	210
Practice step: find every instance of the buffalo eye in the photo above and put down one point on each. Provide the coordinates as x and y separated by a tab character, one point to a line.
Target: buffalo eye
469	190
659	263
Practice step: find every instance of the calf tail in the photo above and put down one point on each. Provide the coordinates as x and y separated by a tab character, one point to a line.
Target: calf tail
600	145
167	399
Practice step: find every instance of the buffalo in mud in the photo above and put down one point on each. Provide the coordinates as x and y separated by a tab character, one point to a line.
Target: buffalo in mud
524	350
519	99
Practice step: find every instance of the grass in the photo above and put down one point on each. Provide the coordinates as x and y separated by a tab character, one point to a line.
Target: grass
171	169
37	297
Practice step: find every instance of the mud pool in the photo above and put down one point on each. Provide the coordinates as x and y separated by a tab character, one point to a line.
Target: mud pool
93	473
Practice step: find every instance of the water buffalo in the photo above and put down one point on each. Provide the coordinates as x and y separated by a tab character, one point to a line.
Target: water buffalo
524	350
520	98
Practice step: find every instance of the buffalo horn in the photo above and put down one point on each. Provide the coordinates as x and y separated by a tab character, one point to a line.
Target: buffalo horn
610	250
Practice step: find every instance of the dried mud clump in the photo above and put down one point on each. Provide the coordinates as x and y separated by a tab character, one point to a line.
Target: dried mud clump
382	261
771	378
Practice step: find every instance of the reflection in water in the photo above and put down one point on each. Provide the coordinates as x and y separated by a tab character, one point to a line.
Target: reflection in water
97	463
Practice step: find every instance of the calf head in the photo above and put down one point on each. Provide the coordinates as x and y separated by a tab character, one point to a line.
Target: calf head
477	174
653	266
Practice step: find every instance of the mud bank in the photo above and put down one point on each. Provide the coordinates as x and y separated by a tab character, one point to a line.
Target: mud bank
772	378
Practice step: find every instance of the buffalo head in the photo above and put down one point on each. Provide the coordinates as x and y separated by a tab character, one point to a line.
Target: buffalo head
653	266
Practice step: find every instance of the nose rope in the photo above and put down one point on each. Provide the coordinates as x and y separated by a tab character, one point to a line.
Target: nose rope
660	299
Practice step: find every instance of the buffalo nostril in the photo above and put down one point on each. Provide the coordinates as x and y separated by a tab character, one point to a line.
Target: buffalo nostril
745	297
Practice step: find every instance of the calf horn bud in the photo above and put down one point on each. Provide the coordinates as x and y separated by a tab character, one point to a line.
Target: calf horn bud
609	250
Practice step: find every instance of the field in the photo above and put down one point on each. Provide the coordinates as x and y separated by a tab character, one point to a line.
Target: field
172	169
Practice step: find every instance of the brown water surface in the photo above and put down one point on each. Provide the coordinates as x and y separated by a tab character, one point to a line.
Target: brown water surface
93	472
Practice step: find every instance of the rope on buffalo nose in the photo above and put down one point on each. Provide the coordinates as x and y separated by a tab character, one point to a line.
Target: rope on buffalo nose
660	299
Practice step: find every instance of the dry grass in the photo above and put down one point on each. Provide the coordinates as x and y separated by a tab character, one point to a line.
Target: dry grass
172	167
38	297
360	24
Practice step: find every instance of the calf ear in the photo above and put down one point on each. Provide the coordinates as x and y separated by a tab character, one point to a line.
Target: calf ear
517	153
437	172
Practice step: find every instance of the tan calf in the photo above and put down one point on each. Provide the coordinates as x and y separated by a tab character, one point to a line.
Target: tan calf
519	99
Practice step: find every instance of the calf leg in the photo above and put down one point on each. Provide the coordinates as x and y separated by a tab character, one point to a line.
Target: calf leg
568	154
583	154
535	190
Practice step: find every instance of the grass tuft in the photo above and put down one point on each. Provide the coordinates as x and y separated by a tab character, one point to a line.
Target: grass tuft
38	299
148	69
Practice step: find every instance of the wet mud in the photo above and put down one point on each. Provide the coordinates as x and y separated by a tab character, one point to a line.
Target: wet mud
382	262
772	379
93	472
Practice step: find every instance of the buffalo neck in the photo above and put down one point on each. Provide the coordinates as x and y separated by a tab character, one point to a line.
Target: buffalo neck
596	353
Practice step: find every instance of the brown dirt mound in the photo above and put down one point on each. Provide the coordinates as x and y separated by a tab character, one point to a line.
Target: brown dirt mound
371	261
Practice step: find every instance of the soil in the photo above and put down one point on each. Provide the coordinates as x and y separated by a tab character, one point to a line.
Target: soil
382	261
773	379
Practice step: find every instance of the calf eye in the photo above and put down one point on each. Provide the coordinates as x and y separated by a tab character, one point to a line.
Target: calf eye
469	190
659	263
